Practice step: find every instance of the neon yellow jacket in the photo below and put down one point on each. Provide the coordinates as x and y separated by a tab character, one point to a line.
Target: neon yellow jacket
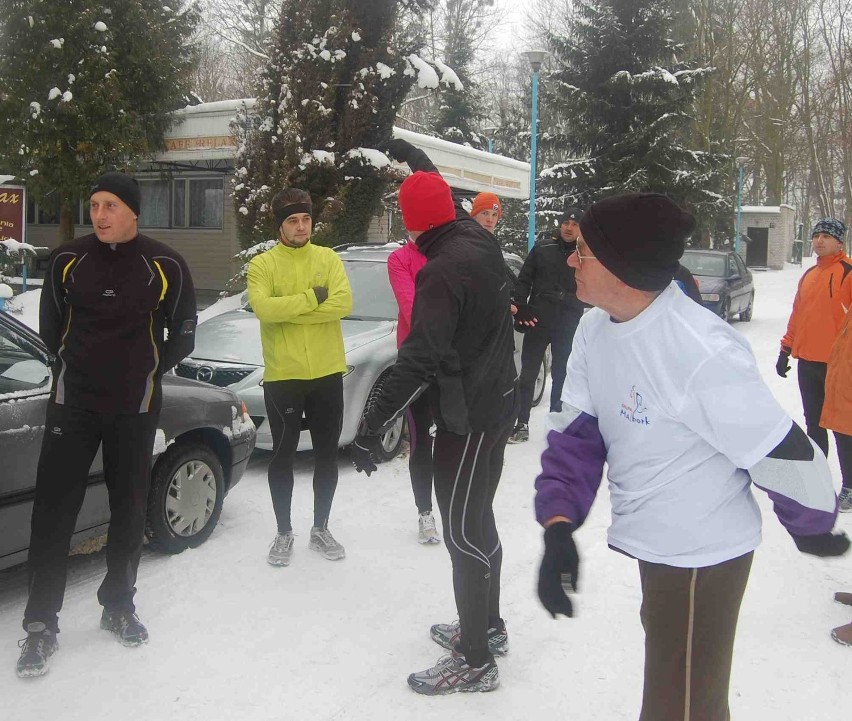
301	338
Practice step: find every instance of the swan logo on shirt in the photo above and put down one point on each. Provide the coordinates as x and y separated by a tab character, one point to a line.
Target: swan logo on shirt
635	411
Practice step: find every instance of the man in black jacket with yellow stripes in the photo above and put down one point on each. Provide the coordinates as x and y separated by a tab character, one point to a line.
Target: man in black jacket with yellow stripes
106	303
460	352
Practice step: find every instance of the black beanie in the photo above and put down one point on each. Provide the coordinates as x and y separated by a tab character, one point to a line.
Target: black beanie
121	185
638	237
571	214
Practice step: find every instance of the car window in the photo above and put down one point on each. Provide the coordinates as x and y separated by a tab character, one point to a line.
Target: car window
20	368
732	266
707	264
372	297
514	264
741	266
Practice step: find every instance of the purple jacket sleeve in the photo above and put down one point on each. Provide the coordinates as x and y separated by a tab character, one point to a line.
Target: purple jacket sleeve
571	470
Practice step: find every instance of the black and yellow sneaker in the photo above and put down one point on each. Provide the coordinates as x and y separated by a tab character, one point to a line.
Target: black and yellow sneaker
36	649
126	626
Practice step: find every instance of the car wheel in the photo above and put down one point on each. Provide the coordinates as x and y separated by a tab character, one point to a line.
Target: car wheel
392	440
185	501
725	310
541	380
745	315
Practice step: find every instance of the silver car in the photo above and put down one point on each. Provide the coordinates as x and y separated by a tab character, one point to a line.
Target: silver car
228	351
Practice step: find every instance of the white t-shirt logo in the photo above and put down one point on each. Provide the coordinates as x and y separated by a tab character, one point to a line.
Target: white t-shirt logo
635	411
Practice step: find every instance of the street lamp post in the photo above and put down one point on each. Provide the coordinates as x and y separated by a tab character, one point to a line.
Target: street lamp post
536	58
737	230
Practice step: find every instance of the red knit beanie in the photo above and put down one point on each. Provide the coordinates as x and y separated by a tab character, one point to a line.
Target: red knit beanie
486	201
426	201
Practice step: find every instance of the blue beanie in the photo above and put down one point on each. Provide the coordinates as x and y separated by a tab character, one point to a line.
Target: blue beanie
830	226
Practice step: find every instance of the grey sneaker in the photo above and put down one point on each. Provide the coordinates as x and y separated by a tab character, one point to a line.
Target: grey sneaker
36	650
281	550
323	541
427	532
448	635
845	499
452	674
520	434
126	626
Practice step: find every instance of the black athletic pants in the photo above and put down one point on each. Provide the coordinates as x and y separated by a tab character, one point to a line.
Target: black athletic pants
320	400
71	440
844	453
467	472
812	388
419	417
559	336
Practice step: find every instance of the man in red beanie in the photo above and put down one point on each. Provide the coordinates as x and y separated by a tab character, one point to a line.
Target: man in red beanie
685	428
460	353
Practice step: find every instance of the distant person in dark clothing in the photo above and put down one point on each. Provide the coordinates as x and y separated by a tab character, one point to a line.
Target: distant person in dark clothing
687	283
107	302
546	298
460	352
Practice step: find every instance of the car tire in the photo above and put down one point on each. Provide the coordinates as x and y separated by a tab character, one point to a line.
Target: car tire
391	443
746	314
185	500
725	310
541	380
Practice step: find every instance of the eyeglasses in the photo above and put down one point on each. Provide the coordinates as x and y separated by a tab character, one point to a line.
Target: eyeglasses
581	258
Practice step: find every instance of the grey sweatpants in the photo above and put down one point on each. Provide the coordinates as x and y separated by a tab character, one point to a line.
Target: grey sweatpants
690	620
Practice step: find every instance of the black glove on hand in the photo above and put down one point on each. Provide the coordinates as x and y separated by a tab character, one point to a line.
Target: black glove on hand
782	366
364	449
321	293
398	149
824	544
559	569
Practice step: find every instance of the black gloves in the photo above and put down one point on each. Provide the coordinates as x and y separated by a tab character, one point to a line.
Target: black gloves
398	149
824	544
559	569
321	293
782	366
526	317
364	450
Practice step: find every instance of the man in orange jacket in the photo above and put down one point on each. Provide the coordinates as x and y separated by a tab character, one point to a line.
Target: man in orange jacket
822	300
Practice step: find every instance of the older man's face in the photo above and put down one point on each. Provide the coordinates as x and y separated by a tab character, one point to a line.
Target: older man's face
595	284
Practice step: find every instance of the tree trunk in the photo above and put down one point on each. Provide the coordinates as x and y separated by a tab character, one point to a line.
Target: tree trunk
67	222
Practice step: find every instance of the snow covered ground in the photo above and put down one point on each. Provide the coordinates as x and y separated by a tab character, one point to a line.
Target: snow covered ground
233	638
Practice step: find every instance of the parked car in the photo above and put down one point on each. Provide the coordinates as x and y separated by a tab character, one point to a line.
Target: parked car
228	350
726	284
204	439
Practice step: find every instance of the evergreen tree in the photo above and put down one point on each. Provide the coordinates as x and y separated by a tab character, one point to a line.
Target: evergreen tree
628	102
88	86
337	73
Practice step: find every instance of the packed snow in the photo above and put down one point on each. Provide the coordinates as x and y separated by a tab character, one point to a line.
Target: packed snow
234	638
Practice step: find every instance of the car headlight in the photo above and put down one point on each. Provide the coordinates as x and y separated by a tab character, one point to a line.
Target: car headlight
713	297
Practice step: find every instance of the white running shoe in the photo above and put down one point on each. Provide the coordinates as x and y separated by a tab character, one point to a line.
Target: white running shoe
281	550
427	532
323	541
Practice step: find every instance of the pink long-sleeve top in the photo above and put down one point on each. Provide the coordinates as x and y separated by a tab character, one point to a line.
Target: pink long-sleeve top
403	266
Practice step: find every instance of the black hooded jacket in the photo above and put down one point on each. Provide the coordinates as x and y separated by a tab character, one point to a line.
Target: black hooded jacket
460	349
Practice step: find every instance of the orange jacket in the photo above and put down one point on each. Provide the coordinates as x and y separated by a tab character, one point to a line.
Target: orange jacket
837	409
823	297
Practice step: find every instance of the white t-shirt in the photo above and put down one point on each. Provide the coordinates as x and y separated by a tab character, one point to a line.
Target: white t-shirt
682	410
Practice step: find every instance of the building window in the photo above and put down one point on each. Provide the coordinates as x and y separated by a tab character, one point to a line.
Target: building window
198	202
154	203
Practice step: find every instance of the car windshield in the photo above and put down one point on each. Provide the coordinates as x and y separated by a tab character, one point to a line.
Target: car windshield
230	339
372	297
706	264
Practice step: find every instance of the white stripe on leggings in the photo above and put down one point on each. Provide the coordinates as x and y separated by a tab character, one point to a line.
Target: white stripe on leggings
482	555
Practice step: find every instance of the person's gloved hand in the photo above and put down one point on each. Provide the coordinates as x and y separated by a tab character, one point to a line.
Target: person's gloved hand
364	450
321	293
823	544
398	149
782	366
559	569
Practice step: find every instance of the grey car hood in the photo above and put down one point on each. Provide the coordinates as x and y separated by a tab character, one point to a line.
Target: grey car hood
234	337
